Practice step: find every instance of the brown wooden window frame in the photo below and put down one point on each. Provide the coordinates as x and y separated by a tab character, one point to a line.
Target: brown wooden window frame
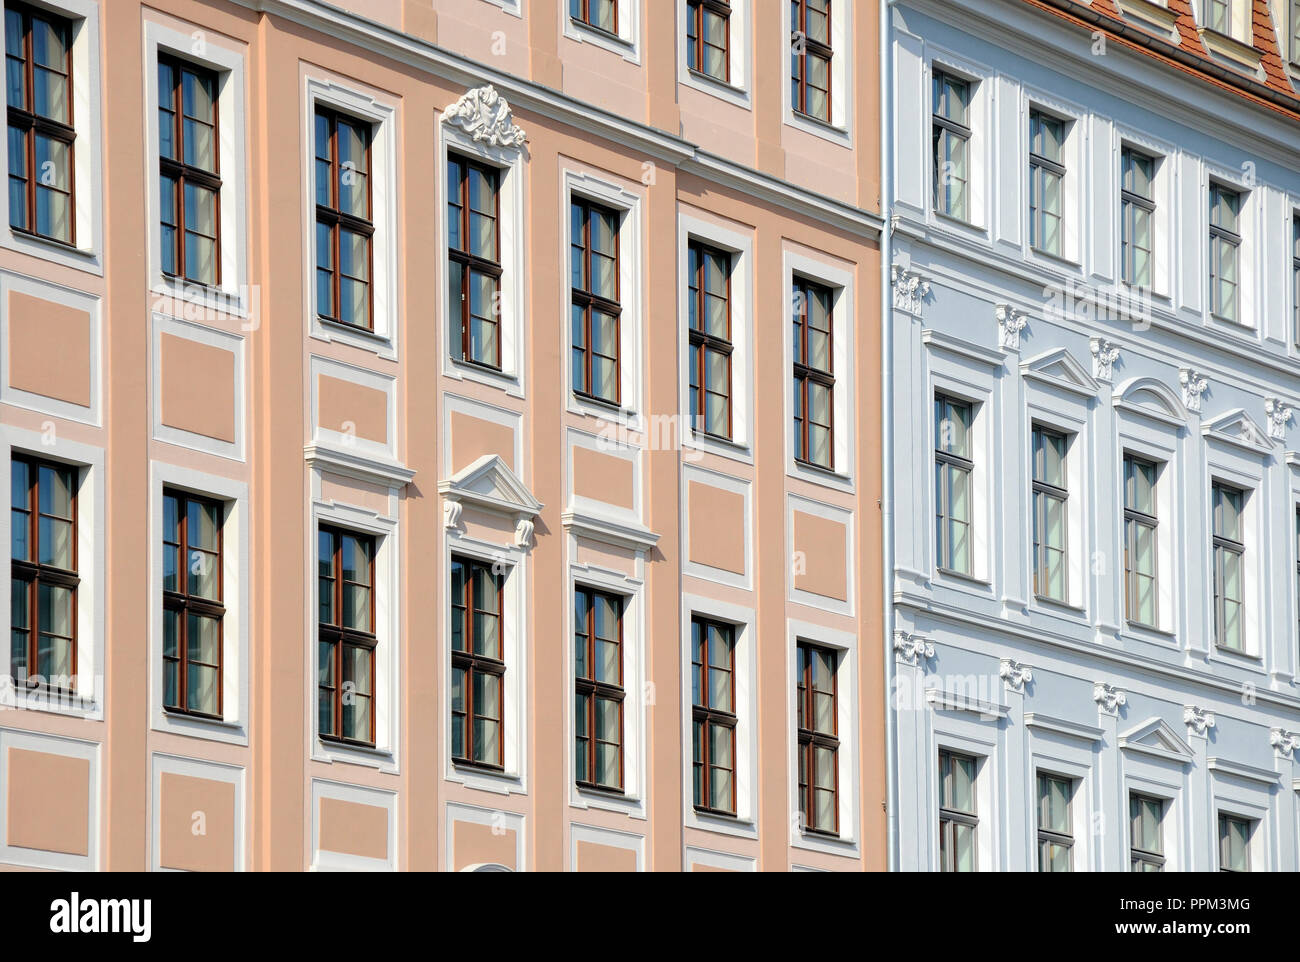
589	301
470	263
589	689
580	11
812	49
32	124
336	220
183	173
805	373
35	574
471	664
183	602
710	717
340	637
809	740
701	342
695	42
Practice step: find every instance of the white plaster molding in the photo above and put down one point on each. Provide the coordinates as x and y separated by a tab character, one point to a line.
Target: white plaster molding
1198	720
1283	741
910	289
485	116
912	649
1279	416
1108	697
1194	385
1011	321
1015	674
1104	356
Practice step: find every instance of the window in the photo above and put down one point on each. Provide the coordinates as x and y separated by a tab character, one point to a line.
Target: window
814	380
951	136
1140	541
346	654
344	220
1146	842
1297	582
474	262
710	340
598	684
601	14
43	592
1046	175
38	81
1295	278
810	61
957	819
190	185
1295	31
1055	828
713	715
596	310
1225	249
952	483
193	607
477	663
1218	14
1050	498
817	691
1229	552
1234	843
1137	214
708	38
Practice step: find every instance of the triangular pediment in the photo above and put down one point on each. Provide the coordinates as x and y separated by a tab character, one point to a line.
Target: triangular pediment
1239	429
489	483
1151	398
1156	737
1060	368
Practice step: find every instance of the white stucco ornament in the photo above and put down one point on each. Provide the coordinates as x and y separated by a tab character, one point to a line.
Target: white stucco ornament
1011	322
485	116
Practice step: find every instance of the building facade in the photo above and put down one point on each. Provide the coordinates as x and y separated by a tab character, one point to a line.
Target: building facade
1094	480
411	464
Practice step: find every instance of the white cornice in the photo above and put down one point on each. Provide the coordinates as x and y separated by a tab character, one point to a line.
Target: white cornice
1061	726
621	534
357	466
1249	773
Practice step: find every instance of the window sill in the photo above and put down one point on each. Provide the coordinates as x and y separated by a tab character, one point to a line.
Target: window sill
615	43
1233	653
722	89
963	577
819	128
78	258
331	750
52	242
1055	260
961	223
341	326
1063	607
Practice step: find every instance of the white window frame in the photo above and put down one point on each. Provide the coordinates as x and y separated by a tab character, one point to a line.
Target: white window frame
51	445
1249	474
737	91
88	166
1156	778
387	687
225	58
235	548
365	104
1250	303
840	280
627	44
1159	446
1164	196
579	184
510	162
1056	412
741	248
849	795
1053	753
957	732
979	185
744	621
1074	156
1232	795
840	128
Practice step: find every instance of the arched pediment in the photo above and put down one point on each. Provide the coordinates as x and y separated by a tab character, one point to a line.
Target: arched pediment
1151	398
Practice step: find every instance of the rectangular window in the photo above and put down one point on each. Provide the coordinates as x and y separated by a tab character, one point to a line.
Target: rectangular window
957	819
43	571
1234	843
1137	215
478	665
1295	278
953	466
713	715
1140	526
346	654
814	378
710	340
1295	31
38	82
344	220
193	607
1219	15
1229	554
951	137
1225	251
601	14
708	38
817	691
596	310
474	261
1055	827
190	185
1046	176
598	689
810	60
1050	519
1146	837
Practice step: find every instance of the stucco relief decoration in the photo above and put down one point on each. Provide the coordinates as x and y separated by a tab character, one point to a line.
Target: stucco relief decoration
523	533
1015	674
1108	697
1279	416
910	289
451	513
1194	386
912	649
1104	356
485	115
1198	720
1011	321
1284	741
